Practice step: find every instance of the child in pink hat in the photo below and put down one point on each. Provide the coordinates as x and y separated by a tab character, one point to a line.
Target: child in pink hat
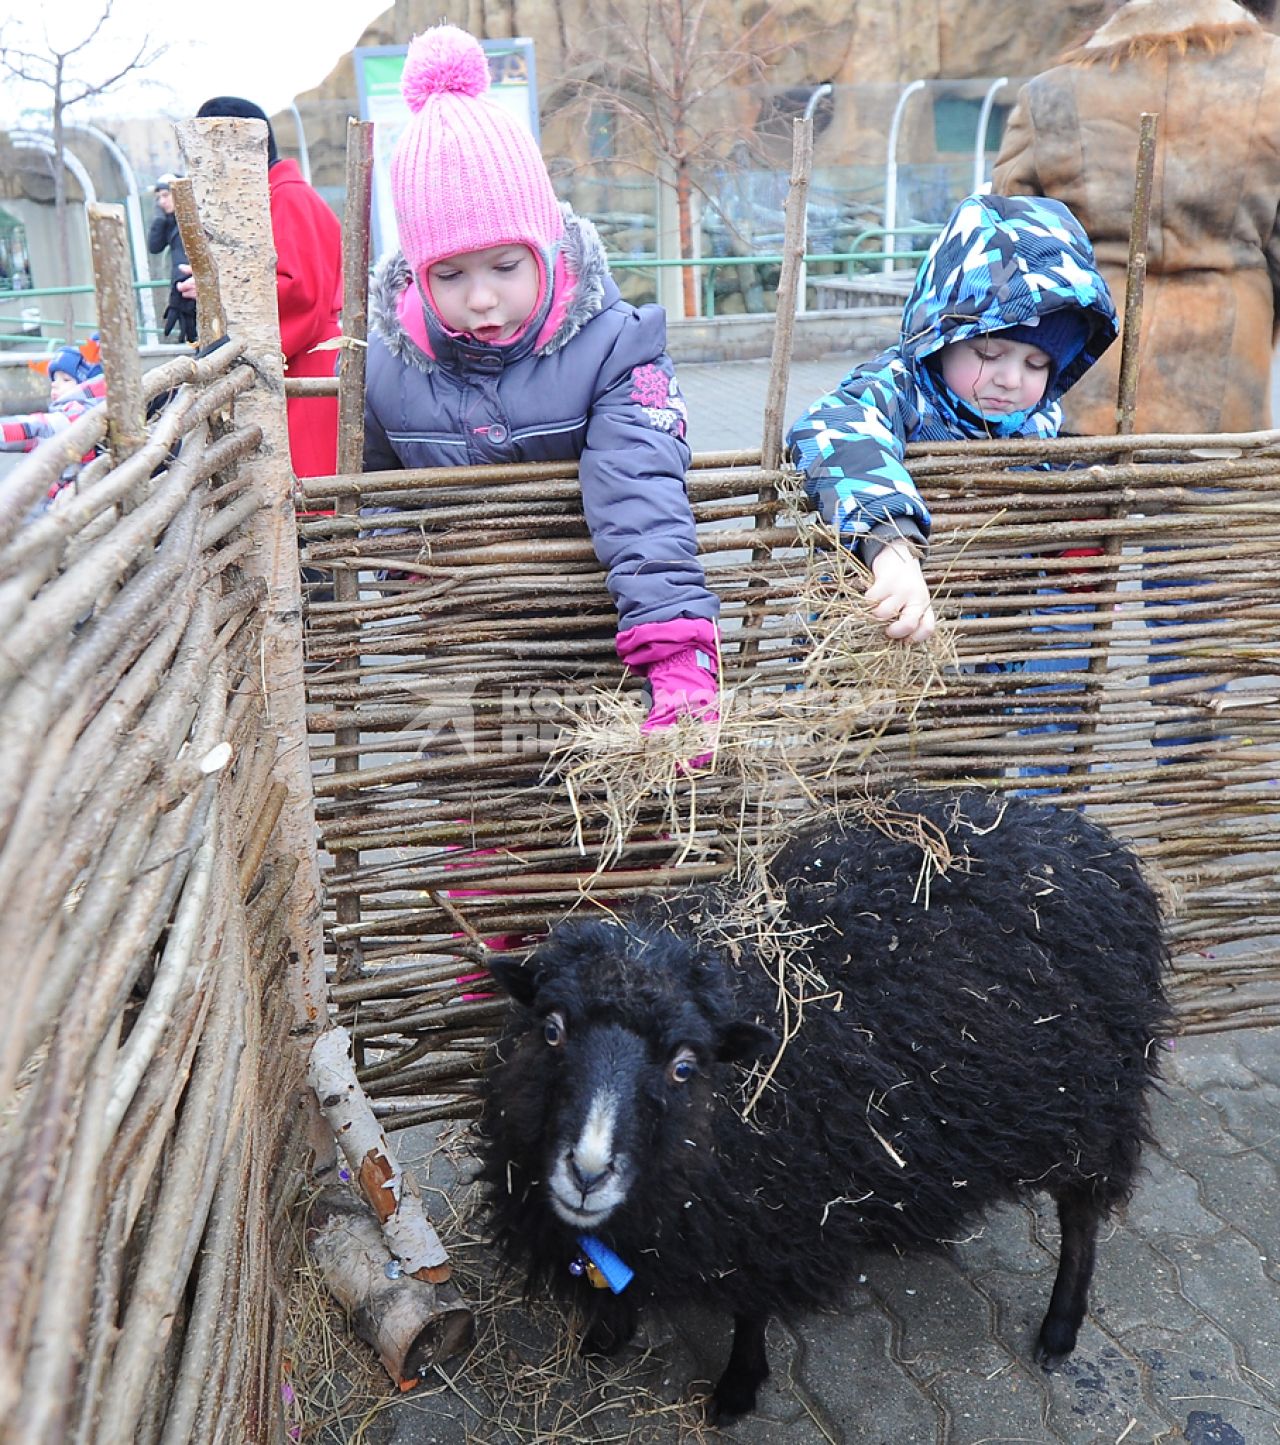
498	335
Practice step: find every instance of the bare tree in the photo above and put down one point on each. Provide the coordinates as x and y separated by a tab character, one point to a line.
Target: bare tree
39	62
666	69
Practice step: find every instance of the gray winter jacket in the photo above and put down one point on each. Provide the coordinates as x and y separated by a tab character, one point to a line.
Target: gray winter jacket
601	389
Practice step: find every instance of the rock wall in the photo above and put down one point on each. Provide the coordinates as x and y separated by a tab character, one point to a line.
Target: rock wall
878	44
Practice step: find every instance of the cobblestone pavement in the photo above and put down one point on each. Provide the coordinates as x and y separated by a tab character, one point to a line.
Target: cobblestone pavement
1182	1342
726	398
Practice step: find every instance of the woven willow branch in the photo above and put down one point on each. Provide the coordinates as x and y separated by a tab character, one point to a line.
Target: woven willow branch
508	635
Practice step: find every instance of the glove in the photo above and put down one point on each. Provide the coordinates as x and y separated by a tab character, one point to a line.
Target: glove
680	662
683	686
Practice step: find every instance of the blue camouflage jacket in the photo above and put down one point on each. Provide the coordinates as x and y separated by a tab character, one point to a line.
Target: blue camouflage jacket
999	261
600	389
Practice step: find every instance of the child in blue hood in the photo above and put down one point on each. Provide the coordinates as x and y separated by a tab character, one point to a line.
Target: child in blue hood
1008	311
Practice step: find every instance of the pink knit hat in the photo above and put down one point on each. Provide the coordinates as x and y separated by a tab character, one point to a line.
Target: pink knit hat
465	174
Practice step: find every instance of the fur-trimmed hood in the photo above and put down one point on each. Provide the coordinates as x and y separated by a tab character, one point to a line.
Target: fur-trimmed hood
1143	27
581	289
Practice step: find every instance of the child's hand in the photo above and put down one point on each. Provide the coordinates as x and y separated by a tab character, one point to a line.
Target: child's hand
899	596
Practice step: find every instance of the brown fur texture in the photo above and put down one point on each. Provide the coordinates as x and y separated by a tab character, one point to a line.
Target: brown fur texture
1212	39
1212	76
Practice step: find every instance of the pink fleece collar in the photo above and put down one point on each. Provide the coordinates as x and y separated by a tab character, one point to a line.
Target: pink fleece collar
413	301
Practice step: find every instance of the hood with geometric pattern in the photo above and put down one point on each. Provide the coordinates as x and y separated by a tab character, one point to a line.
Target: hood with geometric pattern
1005	261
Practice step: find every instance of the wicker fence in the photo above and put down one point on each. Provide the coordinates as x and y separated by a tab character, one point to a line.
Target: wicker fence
1112	606
161	941
1140	679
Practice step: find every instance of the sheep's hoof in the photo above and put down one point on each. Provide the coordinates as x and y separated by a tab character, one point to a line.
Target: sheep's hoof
1057	1340
731	1399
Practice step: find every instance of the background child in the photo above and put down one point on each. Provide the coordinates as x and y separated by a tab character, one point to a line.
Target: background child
76	383
1007	312
498	335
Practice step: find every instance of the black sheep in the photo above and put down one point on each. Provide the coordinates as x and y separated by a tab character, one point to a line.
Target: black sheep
989	1035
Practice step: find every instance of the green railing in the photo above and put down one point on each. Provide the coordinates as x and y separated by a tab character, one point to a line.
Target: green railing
14	303
854	262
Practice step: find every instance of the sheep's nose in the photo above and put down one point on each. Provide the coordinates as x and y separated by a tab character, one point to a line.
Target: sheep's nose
586	1178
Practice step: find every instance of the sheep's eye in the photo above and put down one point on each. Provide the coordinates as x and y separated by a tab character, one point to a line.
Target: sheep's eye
553	1030
683	1067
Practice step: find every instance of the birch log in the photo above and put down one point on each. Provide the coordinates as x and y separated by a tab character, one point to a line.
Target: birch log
411	1323
226	160
389	1189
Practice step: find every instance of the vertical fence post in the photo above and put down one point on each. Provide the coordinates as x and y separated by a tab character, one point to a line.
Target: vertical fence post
226	160
1136	278
793	246
117	330
1126	405
355	299
351	374
211	320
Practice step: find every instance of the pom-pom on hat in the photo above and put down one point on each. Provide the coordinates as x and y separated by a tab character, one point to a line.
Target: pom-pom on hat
465	174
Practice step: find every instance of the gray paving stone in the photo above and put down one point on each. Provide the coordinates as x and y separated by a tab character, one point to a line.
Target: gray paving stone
852	1371
940	1317
1194	1379
1225	1280
1007	1237
726	400
1200	1061
1166	1204
1099	1395
1259	1049
1244	1188
1134	1284
1004	1403
1248	1114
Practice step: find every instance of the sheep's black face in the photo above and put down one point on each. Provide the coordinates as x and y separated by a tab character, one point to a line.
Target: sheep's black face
594	1149
621	1040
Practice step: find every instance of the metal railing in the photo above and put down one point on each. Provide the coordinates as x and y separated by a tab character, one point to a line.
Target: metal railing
853	262
16	308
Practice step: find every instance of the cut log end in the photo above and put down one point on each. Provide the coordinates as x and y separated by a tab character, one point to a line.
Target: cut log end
412	1323
452	1332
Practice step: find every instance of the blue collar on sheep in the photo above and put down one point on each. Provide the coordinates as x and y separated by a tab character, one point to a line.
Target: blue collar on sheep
601	1266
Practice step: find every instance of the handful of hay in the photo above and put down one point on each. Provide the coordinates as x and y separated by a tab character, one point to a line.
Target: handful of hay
806	695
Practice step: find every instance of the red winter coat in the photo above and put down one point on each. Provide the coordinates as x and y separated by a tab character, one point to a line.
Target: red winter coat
308	242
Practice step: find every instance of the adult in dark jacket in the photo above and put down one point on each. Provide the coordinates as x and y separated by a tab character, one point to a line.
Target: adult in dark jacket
180	311
499	336
308	240
1209	315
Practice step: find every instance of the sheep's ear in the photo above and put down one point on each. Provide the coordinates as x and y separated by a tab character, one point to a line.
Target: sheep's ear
515	977
743	1040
